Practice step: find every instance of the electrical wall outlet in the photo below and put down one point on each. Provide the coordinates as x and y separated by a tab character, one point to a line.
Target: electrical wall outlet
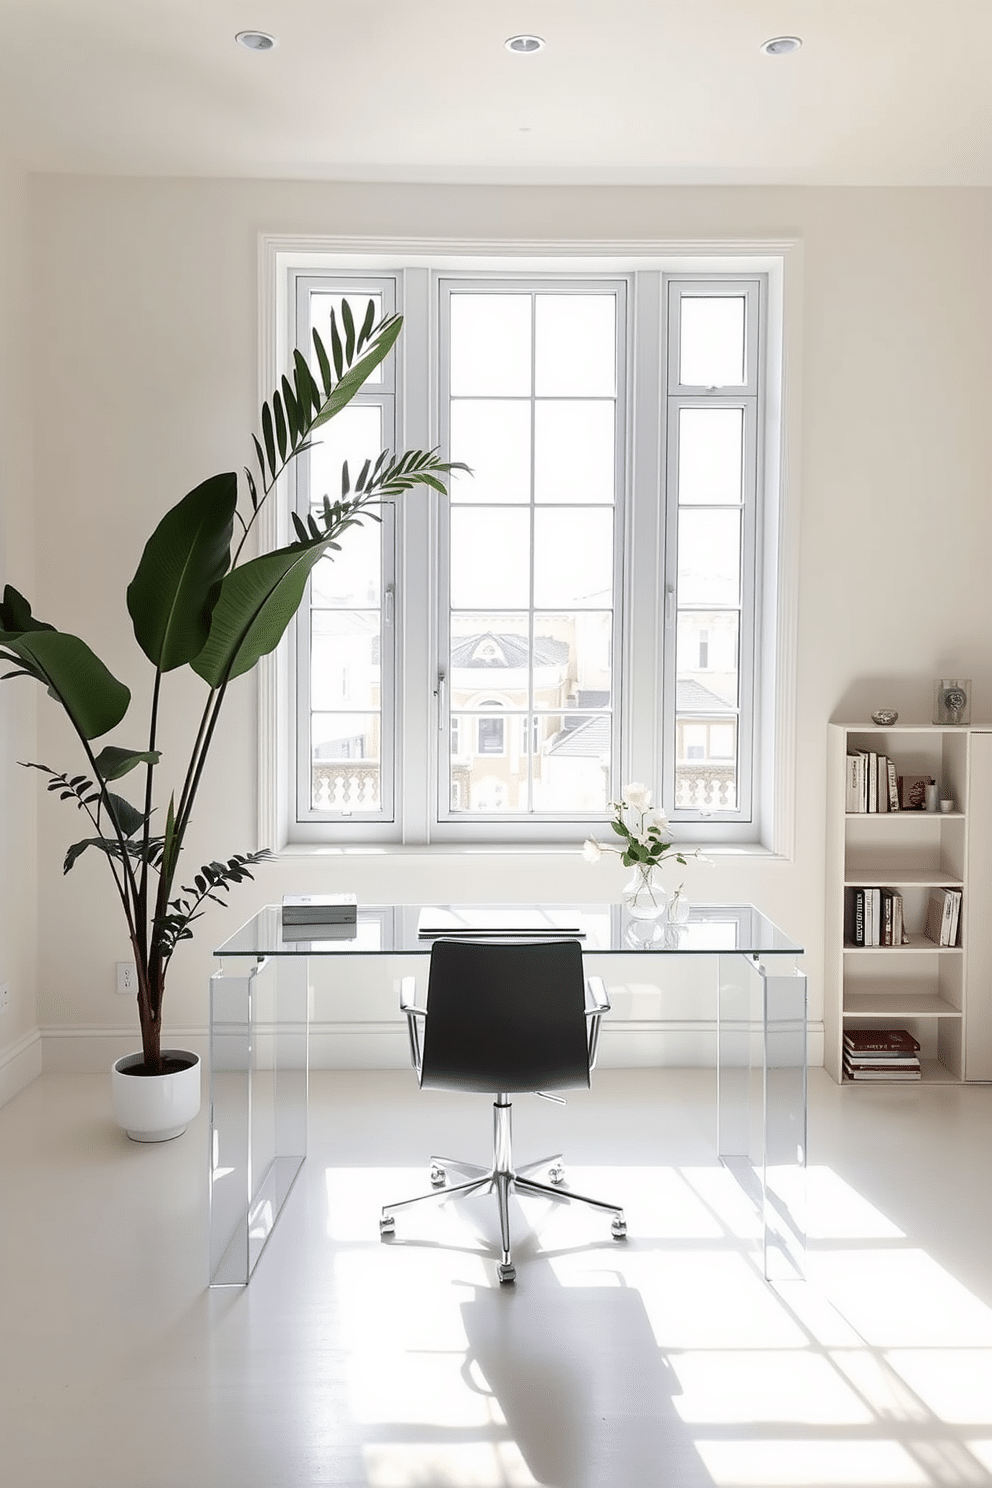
4	996
127	978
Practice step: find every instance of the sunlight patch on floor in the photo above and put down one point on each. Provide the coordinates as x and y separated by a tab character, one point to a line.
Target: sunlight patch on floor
814	1464
836	1211
877	1290
420	1389
464	1465
748	1385
955	1384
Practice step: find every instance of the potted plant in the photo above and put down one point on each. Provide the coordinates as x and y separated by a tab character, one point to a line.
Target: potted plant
197	601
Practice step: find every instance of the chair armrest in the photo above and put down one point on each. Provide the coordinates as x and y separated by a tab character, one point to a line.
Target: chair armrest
408	1005
597	999
597	1003
408	993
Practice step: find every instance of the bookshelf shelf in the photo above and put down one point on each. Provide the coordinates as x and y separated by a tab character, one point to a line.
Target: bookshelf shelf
941	994
908	1005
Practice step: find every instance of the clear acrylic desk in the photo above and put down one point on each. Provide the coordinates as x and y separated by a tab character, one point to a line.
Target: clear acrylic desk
259	1037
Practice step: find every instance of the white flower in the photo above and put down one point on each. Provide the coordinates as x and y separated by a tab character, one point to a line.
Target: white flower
591	850
657	820
637	795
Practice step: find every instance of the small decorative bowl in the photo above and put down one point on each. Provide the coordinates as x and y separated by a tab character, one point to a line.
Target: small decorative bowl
885	716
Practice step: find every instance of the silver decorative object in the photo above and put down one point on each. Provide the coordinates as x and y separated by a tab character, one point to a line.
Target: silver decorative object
885	716
952	700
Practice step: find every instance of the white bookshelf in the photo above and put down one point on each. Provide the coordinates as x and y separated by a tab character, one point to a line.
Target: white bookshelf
940	993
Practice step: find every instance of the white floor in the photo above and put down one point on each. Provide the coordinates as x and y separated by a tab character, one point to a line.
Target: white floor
662	1360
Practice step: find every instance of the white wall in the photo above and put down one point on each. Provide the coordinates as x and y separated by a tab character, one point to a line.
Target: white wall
20	1050
145	316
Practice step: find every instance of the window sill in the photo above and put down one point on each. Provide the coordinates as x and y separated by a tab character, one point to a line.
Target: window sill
294	852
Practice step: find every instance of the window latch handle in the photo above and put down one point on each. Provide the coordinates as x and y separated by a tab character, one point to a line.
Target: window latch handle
669	607
387	605
439	693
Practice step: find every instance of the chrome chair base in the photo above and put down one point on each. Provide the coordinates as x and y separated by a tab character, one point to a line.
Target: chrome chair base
502	1177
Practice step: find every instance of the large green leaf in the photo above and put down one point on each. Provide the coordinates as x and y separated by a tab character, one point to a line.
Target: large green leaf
113	762
127	818
93	698
178	580
15	613
257	602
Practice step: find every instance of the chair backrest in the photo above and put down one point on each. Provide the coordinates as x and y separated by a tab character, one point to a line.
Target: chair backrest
505	1016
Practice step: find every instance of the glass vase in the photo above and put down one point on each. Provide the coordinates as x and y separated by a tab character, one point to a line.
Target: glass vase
644	895
678	907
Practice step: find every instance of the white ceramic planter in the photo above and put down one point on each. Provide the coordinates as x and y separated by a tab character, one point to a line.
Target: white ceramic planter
155	1108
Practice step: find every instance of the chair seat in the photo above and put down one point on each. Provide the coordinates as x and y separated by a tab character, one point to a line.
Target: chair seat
501	1018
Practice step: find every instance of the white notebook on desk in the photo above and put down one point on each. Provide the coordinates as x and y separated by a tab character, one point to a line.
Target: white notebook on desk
488	919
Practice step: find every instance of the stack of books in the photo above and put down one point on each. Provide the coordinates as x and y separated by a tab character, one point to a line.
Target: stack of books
872	782
874	917
319	916
881	1054
943	913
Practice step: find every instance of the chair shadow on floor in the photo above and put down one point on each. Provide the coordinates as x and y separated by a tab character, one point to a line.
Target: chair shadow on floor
545	1354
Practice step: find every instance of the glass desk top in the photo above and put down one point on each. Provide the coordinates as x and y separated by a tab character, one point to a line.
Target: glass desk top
606	929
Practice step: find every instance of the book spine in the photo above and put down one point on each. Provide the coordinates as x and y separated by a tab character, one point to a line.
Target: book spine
872	917
897	920
852	795
892	782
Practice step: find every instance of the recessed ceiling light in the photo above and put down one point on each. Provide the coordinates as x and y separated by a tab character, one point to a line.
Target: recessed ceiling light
256	41
524	45
780	46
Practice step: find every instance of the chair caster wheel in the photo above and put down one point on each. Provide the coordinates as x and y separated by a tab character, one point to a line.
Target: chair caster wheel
506	1273
619	1229
438	1176
556	1174
387	1224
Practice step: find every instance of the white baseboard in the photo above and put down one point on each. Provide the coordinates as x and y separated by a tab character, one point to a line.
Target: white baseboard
83	1051
19	1065
625	1043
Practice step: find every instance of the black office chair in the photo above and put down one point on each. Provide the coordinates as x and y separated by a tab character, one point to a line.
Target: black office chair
501	1017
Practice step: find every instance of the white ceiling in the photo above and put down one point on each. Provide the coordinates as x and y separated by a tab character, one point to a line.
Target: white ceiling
883	91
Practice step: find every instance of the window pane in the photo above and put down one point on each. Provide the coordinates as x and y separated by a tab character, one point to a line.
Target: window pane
573	770
355	435
711	351
488	771
573	557
490	557
490	345
344	772
575	345
707	649
489	651
709	557
705	763
321	306
711	450
493	439
573	659
344	659
574	451
351	578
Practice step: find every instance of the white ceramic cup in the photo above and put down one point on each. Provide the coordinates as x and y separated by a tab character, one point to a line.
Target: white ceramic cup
946	806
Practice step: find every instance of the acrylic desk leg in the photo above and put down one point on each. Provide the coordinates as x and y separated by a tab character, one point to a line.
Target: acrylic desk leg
761	1102
258	1107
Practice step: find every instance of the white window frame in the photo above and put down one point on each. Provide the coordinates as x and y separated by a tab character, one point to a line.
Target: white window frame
778	263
